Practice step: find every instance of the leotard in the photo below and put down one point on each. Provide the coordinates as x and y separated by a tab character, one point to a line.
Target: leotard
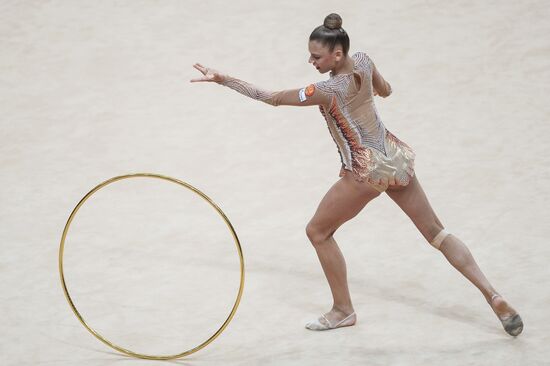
366	148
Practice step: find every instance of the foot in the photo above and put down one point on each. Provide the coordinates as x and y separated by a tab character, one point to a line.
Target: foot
333	319
510	319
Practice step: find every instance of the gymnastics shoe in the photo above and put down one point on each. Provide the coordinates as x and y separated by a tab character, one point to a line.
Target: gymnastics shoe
512	324
317	325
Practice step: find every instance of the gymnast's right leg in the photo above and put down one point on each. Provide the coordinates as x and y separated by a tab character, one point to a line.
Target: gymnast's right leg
413	201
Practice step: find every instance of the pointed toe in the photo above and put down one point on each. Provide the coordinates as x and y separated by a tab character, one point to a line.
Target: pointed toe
513	325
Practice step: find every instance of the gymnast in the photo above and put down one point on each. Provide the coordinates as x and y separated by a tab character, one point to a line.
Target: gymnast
373	160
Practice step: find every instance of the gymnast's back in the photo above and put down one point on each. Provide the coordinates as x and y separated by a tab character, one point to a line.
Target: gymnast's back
351	104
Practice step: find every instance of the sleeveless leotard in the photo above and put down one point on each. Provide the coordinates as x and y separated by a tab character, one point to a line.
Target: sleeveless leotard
366	148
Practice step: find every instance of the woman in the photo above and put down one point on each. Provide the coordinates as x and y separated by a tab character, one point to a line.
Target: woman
373	161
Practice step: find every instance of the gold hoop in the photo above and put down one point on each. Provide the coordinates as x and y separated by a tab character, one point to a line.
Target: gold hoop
99	336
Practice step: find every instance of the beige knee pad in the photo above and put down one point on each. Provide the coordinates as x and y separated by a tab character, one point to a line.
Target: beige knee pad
436	242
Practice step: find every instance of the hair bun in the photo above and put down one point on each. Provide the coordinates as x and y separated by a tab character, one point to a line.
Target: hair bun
333	21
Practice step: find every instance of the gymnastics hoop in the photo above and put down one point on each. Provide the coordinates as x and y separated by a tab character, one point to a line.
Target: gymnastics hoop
99	336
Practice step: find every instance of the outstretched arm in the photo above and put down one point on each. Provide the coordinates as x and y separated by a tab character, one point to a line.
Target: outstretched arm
297	97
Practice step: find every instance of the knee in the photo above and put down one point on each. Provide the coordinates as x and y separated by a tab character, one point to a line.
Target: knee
437	236
316	234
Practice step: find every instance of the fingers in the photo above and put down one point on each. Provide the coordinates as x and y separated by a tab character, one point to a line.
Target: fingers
200	68
200	79
209	74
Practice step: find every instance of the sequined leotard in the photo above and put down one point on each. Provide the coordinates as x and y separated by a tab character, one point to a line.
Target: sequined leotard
366	148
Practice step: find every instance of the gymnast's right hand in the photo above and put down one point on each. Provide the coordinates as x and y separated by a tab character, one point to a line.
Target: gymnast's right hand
209	74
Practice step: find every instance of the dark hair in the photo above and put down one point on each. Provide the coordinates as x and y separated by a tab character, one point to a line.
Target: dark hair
331	33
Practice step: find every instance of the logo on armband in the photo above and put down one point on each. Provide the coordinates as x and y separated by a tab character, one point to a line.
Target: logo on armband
306	92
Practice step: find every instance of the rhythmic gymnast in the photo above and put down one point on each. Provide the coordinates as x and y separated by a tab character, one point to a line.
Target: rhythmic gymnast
373	160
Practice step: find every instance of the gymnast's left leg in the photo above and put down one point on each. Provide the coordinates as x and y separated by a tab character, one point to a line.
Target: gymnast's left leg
413	201
344	200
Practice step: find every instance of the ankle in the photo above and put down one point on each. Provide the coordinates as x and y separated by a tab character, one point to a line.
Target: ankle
491	296
343	309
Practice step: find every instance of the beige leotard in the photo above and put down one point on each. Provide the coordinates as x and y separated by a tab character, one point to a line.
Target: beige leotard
366	147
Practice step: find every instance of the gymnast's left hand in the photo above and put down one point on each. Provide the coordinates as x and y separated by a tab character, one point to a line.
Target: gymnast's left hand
209	74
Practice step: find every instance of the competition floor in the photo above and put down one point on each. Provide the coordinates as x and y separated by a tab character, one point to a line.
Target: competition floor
92	90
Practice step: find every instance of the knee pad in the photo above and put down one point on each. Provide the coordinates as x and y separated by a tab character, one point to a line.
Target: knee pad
436	242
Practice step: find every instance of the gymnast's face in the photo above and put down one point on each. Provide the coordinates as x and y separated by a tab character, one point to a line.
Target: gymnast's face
321	57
